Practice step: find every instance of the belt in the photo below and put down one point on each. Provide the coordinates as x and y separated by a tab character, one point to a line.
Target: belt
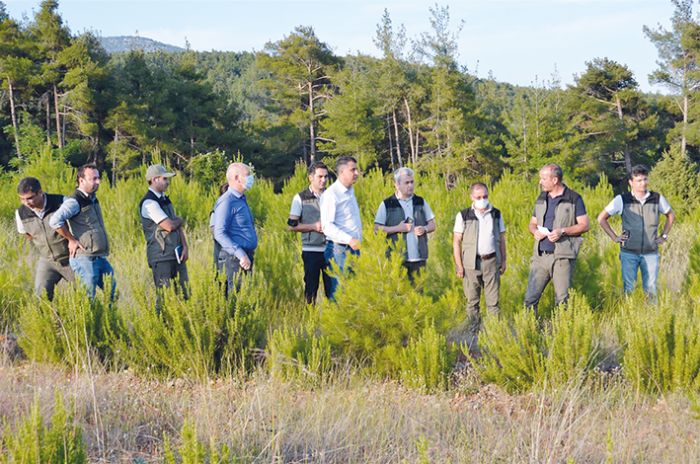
337	243
545	253
487	257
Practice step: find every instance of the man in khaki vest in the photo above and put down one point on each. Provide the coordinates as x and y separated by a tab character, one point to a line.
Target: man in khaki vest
557	223
305	218
639	241
80	221
479	250
33	221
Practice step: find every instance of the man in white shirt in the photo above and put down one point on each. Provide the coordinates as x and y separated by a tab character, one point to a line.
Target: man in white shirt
479	251
166	246
305	218
340	216
407	216
639	241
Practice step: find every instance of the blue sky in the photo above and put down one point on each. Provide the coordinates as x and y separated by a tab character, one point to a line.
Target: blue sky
518	41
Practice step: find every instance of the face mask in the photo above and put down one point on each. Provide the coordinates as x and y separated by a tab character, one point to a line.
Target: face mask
481	203
249	180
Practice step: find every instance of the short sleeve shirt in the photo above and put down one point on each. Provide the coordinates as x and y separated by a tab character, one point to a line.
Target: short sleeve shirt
616	205
150	209
485	244
579	210
411	239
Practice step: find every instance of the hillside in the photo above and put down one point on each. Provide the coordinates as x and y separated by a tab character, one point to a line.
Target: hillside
124	43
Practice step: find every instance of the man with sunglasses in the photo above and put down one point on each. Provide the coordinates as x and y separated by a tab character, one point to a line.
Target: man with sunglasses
479	249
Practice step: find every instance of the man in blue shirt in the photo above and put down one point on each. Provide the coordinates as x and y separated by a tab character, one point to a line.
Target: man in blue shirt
234	229
557	223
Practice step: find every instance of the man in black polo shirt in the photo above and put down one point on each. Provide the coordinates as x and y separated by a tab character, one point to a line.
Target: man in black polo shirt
557	223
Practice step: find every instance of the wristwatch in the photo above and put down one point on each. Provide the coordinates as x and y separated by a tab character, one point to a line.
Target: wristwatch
664	236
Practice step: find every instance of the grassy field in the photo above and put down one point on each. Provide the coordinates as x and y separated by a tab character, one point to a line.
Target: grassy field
372	378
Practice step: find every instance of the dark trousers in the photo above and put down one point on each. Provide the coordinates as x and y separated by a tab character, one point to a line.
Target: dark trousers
314	266
166	271
234	272
414	268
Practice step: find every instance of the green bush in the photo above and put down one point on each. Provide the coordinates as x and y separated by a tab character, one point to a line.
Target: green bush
30	441
294	354
192	451
425	362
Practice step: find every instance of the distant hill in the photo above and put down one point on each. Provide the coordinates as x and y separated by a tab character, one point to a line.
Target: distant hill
125	43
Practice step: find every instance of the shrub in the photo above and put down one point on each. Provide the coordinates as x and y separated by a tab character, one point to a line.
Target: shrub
424	363
296	354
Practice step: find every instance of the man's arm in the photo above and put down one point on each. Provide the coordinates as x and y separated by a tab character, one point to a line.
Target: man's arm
532	227
502	247
221	220
426	229
328	208
68	209
605	225
457	253
171	225
73	243
670	217
299	227
582	226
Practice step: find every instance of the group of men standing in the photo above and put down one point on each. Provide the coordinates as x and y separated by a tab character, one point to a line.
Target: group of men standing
70	237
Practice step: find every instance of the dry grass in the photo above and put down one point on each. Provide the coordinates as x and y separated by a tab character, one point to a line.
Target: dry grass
352	420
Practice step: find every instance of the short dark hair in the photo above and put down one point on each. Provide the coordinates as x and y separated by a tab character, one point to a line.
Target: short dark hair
29	185
316	165
223	188
638	170
477	185
81	169
342	161
555	169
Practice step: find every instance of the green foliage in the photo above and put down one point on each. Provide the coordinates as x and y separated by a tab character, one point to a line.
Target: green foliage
32	441
676	177
513	351
662	351
210	168
297	354
192	451
425	362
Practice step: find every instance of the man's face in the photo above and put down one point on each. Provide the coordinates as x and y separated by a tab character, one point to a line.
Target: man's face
349	174
90	181
405	186
318	179
639	183
547	181
34	200
479	193
160	184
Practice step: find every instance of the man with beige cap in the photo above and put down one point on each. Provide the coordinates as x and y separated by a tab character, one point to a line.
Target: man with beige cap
166	247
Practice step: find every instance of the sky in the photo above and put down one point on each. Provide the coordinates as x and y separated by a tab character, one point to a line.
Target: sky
515	41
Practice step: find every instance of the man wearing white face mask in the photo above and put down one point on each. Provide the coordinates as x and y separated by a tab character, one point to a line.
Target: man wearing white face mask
234	229
479	250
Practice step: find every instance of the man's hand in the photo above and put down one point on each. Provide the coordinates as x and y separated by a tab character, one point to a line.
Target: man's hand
555	235
403	227
503	267
419	230
539	235
245	263
660	240
354	244
73	247
318	228
185	254
459	271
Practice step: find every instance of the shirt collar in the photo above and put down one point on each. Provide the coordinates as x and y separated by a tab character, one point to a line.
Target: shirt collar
646	195
235	193
342	188
317	195
403	199
158	194
484	213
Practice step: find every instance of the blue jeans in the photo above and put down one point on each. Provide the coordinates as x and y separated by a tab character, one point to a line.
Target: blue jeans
648	264
336	253
90	271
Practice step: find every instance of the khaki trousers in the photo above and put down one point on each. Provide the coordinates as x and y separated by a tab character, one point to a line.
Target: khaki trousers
486	276
544	268
48	274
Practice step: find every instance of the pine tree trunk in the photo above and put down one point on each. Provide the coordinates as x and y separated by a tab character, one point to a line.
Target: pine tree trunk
114	155
312	129
685	124
391	144
59	131
396	135
48	118
626	151
414	155
13	114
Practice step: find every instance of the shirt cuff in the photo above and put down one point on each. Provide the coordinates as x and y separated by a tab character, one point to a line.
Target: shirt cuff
240	254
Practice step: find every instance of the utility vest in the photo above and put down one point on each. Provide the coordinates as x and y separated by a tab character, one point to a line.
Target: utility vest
470	236
49	243
564	216
310	214
160	244
88	227
395	216
642	222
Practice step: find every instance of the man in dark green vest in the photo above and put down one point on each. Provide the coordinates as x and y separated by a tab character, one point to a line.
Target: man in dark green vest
80	221
305	218
33	221
557	223
479	251
407	220
640	239
166	247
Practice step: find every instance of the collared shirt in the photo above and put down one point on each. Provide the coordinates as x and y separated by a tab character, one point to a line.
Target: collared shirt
40	214
411	238
68	209
485	242
616	205
150	209
340	214
296	210
234	228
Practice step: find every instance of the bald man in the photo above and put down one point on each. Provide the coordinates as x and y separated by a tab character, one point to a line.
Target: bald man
234	229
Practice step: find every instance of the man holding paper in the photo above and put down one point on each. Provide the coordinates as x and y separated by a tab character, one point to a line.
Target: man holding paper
557	223
166	247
